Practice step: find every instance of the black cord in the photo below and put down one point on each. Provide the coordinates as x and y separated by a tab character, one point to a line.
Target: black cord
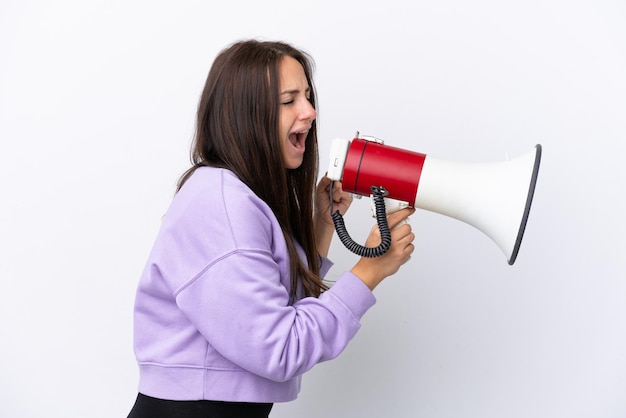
381	219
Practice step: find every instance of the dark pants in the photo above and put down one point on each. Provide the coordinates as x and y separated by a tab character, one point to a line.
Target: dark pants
148	407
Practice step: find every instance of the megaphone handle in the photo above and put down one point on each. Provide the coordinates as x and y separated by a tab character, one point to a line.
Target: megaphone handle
391	206
378	195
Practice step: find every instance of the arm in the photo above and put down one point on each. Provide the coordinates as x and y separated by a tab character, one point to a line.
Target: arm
242	309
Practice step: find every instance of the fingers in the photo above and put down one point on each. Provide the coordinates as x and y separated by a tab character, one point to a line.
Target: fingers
323	186
402	236
342	200
373	270
339	195
405	243
403	233
396	218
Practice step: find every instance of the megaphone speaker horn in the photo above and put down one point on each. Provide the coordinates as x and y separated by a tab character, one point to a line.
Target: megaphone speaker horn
494	197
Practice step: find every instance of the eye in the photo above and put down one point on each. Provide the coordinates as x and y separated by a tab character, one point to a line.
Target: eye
288	102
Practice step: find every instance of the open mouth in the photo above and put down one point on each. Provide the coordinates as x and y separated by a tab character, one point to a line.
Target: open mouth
298	139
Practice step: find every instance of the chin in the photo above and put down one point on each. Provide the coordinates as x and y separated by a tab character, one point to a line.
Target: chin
292	165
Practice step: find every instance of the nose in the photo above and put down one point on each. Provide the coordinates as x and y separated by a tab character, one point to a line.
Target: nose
308	112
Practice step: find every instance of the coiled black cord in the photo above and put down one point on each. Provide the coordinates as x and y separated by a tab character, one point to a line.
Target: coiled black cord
381	218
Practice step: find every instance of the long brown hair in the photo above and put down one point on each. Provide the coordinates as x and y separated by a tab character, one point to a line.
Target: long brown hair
237	128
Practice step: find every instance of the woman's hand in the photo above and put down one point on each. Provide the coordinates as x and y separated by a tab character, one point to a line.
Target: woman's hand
341	200
323	222
372	271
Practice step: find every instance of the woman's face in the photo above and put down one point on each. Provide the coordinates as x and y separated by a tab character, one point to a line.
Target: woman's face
296	112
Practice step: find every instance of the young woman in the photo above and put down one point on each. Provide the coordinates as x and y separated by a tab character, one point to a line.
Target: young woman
231	309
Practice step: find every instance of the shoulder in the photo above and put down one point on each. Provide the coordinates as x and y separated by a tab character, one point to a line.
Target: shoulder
213	216
216	201
207	184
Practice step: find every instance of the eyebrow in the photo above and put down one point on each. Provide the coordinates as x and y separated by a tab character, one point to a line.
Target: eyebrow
295	91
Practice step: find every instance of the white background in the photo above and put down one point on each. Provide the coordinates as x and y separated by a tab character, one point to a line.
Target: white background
97	104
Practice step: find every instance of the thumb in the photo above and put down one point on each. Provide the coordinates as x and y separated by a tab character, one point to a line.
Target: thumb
396	218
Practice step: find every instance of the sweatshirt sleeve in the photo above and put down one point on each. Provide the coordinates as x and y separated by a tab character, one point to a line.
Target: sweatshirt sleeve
243	311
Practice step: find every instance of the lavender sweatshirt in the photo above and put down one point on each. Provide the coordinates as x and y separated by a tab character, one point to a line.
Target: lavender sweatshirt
213	317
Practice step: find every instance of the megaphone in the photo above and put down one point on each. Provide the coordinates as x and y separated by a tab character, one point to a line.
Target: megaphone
494	197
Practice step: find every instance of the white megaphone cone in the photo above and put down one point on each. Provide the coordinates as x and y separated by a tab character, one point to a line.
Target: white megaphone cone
494	197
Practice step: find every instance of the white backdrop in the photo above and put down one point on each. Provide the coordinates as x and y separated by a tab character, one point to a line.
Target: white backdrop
97	104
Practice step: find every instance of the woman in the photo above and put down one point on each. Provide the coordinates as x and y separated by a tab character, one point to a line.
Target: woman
231	309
